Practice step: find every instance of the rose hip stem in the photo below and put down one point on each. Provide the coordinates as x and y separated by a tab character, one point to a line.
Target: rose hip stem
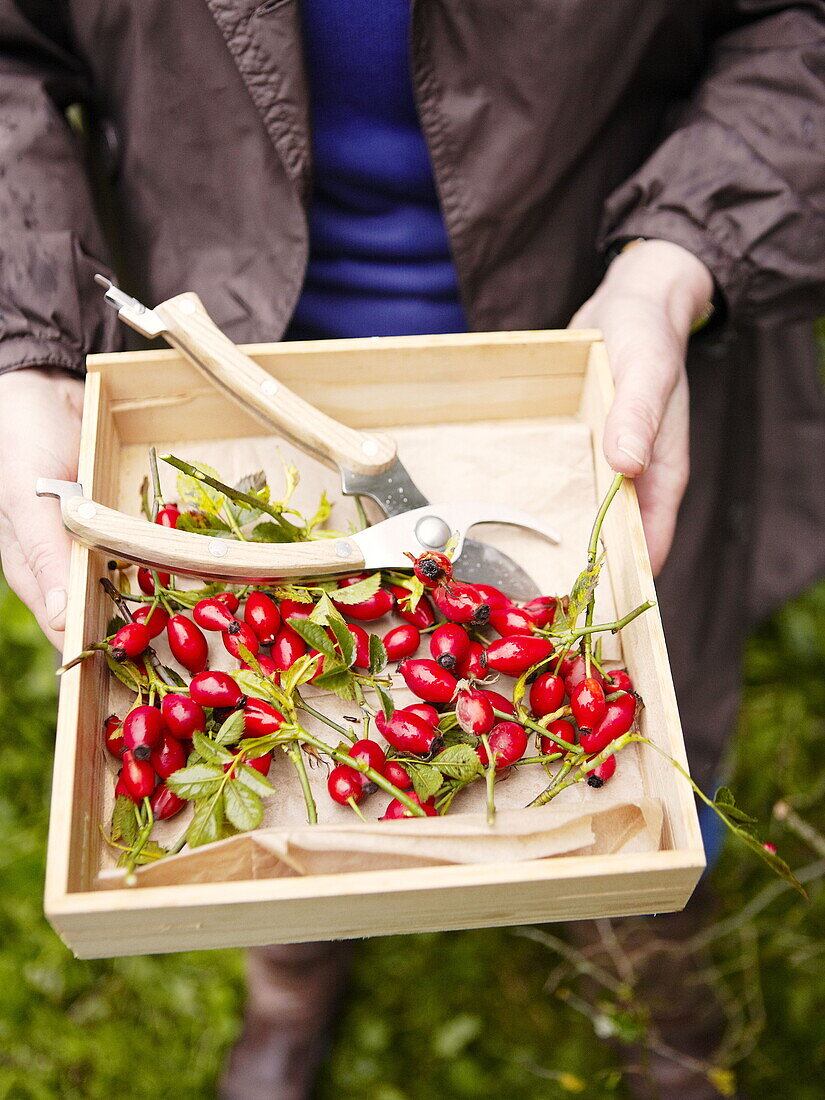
304	705
294	753
592	552
536	728
123	608
490	780
361	766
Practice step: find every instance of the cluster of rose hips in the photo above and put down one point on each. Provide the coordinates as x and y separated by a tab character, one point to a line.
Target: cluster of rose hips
584	706
571	703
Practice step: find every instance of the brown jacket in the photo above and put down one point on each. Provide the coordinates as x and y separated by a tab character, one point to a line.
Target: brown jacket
555	127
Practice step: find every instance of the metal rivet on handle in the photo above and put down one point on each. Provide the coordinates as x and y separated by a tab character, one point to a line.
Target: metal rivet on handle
369	447
218	548
187	306
343	549
87	510
269	386
432	532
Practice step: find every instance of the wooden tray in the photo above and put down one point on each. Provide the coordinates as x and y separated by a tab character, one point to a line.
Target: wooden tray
156	397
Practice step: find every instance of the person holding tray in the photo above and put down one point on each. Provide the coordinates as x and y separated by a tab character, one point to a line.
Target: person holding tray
349	168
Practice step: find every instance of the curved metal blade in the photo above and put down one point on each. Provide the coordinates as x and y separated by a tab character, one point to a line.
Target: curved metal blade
483	564
396	492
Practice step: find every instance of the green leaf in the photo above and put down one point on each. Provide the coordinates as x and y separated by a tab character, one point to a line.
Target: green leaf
199	526
322	513
459	762
426	780
358	592
243	806
114	624
378	655
254	781
302	671
315	636
175	677
338	679
251	683
325	611
582	591
125	672
346	642
455	735
269	532
198	496
293	592
207	823
196	781
231	730
386	700
211	751
416	590
252	483
151	852
124	822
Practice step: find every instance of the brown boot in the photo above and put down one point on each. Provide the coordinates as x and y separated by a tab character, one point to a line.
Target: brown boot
293	996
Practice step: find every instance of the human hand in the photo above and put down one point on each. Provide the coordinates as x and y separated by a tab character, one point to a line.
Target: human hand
645	306
40	414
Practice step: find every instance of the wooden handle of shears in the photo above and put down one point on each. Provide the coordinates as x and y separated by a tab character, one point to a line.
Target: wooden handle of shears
135	539
192	330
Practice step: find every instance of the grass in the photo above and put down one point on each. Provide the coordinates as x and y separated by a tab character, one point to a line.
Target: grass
435	1017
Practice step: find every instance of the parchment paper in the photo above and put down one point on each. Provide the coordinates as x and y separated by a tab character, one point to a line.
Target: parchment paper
544	466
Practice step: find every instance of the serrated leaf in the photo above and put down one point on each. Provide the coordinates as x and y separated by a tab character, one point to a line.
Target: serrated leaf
378	655
314	635
727	804
358	592
151	852
459	762
269	532
455	735
207	824
322	513
196	781
211	752
299	673
346	642
339	681
125	672
325	611
293	592
114	624
198	496
259	687
124	822
175	677
252	483
215	527
386	700
231	729
582	591
254	781
425	779
243	806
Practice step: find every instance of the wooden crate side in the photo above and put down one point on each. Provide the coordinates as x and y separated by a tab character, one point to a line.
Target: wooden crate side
643	640
378	903
363	383
74	836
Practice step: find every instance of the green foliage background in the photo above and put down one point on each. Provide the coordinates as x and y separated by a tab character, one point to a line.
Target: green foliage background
435	1017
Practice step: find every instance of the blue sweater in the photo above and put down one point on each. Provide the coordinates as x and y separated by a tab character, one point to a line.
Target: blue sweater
379	260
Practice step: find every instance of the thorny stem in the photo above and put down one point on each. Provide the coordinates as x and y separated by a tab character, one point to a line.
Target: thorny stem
615	626
254	503
123	608
592	552
156	489
140	843
490	780
362	515
304	705
361	766
536	728
297	757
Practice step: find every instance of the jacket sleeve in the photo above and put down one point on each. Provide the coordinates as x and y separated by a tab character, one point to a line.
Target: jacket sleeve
741	181
51	313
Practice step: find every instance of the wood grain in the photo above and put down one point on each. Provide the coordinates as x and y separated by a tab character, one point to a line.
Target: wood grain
193	555
192	330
